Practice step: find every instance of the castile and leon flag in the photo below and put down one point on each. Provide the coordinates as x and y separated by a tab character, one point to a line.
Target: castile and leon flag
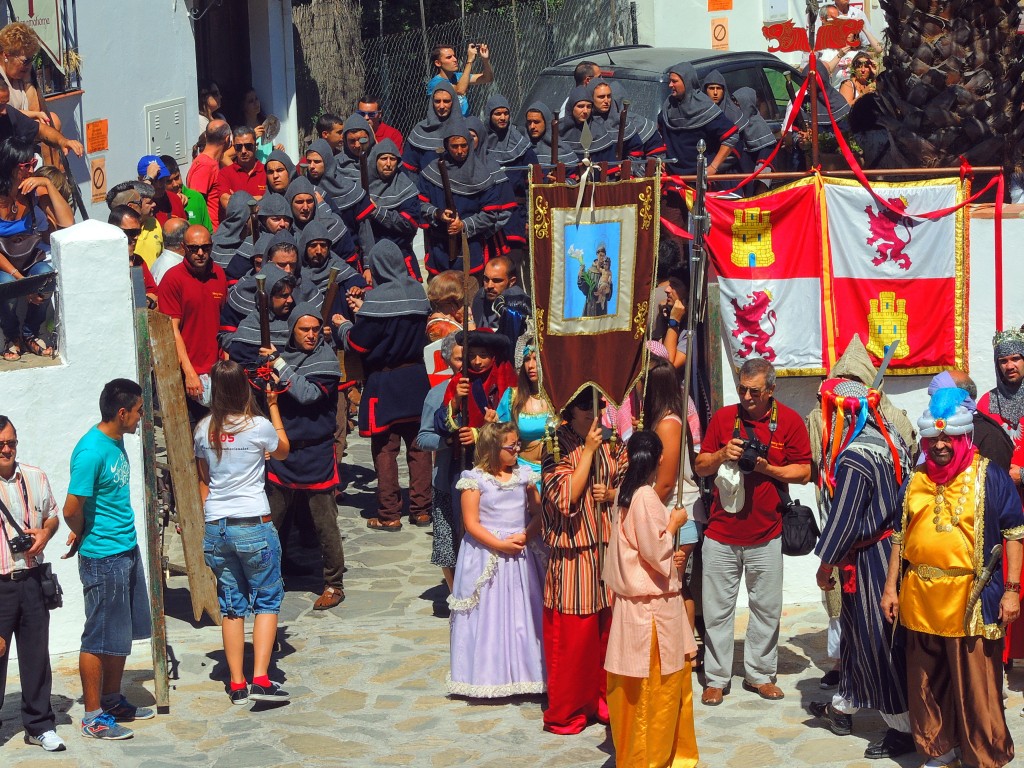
804	268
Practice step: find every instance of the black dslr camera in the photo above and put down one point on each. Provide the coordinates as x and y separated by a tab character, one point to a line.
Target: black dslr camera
753	449
21	543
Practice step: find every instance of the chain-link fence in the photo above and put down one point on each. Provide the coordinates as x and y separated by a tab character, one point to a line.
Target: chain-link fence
523	38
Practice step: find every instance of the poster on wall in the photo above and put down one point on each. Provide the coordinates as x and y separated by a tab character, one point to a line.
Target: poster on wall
44	18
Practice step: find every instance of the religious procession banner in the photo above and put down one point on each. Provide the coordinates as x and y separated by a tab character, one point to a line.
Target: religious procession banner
767	252
805	267
897	275
593	283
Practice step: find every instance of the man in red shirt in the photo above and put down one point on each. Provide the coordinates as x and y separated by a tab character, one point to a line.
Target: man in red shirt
758	445
203	173
191	294
245	174
369	107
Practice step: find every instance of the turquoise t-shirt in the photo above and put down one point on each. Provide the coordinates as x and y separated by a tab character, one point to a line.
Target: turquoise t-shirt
100	473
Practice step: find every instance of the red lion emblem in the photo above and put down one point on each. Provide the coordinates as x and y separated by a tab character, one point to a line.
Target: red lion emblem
789	36
888	244
753	337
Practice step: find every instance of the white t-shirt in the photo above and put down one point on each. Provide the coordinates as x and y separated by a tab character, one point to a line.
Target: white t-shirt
236	479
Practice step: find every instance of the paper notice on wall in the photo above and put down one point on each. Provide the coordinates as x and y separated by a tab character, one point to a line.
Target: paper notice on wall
719	5
98	179
44	18
720	34
96	133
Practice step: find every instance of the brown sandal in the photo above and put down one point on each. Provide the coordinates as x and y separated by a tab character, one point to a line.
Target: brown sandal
421	521
331	598
12	351
384	525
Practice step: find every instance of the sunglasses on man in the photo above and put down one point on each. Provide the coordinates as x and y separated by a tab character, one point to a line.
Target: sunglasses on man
248	147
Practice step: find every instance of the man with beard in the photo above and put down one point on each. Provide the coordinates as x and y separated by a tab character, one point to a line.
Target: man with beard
860	484
689	115
191	294
478	205
341	193
153	171
507	147
957	508
1005	404
244	346
246	173
273	215
596	284
369	107
579	108
396	202
357	137
538	130
308	371
609	114
282	252
302	198
193	202
499	281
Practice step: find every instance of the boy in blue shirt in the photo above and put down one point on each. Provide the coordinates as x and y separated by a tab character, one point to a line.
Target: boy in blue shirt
99	513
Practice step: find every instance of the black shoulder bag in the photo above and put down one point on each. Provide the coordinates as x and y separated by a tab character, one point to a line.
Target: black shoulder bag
53	595
800	530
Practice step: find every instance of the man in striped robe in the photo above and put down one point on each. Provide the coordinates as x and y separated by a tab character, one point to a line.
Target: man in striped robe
863	464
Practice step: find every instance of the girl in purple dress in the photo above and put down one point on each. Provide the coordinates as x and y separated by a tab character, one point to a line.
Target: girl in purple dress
497	601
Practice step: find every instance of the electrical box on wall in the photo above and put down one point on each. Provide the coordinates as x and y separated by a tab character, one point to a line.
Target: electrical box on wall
776	10
165	122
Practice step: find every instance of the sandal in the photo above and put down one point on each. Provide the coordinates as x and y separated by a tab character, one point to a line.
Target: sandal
377	524
421	521
332	597
12	351
37	346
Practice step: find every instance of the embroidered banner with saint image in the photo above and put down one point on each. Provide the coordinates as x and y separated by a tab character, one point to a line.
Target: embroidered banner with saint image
593	280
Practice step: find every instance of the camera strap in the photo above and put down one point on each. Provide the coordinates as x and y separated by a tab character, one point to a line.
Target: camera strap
773	424
10	518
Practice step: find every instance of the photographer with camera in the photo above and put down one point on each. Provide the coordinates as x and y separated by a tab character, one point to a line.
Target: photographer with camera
763	445
446	69
28	518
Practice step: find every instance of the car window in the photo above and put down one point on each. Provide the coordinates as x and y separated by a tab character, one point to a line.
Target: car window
645	96
777	82
551	89
749	77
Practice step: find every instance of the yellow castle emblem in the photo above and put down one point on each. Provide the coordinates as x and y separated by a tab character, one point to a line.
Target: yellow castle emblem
887	321
752	238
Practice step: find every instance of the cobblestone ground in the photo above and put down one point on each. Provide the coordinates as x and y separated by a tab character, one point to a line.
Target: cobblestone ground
367	685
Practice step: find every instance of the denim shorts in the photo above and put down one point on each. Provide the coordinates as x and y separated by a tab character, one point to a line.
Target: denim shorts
116	603
688	533
246	559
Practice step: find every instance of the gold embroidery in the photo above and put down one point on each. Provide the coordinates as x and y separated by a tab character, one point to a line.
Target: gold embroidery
645	198
542	223
887	322
640	319
541	328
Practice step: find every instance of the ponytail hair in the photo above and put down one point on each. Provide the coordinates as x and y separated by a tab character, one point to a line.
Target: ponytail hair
644	449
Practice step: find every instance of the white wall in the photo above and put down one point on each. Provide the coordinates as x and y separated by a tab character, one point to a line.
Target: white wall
53	407
910	392
271	48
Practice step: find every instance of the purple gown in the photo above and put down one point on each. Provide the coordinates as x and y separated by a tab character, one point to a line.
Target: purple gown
497	602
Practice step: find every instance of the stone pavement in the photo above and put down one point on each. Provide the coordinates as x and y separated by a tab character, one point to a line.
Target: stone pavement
367	685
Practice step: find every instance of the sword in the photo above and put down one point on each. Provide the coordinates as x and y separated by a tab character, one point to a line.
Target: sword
586	139
889	352
994	560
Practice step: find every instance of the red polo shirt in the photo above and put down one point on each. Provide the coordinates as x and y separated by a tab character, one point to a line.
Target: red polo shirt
202	175
196	303
759	520
169	206
231	179
386	131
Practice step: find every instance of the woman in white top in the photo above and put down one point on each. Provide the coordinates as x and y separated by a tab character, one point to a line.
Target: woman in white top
19	46
240	543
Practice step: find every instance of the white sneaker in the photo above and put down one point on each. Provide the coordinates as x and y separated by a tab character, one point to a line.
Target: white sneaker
48	740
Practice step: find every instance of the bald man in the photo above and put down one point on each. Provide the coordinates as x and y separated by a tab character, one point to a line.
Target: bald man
206	166
174	248
191	294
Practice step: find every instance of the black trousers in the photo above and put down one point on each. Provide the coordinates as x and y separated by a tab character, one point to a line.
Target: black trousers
24	616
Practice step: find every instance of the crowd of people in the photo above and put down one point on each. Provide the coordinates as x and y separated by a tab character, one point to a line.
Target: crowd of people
299	313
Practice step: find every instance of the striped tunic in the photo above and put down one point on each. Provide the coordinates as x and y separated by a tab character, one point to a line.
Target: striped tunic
28	498
865	505
577	533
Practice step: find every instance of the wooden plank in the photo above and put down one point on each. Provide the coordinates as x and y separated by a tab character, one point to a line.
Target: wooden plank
154	548
170	390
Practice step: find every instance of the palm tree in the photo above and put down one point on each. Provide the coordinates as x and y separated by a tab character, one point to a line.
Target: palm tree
951	84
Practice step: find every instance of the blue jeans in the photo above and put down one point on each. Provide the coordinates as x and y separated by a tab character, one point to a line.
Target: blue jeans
35	314
246	559
116	603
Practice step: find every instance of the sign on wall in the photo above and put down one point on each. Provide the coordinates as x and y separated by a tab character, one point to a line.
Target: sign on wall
44	18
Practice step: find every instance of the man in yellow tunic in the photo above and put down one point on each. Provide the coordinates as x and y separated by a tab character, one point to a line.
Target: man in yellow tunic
946	586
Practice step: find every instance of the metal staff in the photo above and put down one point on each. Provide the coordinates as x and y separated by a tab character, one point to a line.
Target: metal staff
366	239
263	308
620	143
464	414
699	225
449	204
554	138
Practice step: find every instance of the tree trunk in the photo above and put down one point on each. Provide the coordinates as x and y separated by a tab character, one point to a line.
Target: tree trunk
952	81
328	60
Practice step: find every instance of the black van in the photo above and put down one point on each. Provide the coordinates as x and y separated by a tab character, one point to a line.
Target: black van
643	72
